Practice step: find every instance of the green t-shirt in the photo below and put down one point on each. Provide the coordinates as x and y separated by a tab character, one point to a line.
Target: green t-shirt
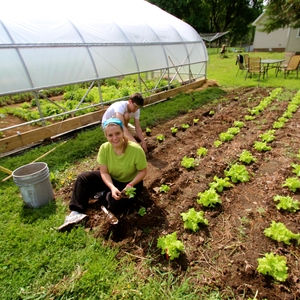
122	168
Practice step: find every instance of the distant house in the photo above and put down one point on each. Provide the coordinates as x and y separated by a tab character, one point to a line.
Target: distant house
281	40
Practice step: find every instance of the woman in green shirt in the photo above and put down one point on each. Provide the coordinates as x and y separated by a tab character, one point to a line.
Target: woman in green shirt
123	164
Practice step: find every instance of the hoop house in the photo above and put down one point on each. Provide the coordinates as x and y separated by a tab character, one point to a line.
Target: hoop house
46	44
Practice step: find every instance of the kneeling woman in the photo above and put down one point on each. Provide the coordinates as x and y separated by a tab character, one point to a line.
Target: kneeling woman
123	164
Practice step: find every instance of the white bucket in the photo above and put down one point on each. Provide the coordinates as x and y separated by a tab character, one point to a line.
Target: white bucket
34	184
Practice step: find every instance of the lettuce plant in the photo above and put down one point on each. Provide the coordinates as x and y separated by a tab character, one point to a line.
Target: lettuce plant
279	233
233	130
220	183
296	169
268	136
247	157
261	146
293	183
174	129
164	188
130	192
160	137
202	151
192	218
249	118
188	162
273	265
142	211
238	124
226	136
170	246
217	143
286	203
237	173
209	198
185	126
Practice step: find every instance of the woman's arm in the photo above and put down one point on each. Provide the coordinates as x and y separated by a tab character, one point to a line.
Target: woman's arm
139	177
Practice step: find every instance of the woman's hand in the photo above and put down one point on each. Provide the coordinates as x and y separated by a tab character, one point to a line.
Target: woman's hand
116	194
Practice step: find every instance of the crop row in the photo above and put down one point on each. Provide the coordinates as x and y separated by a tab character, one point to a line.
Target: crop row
270	264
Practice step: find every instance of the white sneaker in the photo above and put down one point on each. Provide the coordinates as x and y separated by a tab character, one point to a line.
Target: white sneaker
72	219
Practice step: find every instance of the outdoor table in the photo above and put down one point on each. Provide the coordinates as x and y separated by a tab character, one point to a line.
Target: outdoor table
270	64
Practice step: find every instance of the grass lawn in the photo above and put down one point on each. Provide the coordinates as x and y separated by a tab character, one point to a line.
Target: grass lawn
37	262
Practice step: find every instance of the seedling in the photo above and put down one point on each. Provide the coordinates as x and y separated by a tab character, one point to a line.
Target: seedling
273	265
192	218
201	151
130	192
160	138
268	136
261	146
249	118
164	188
293	183
226	136
142	211
279	233
188	162
237	173
174	130
185	126
286	203
296	169
209	198
148	131
238	124
217	143
246	157
195	121
220	183
211	112
170	246
233	130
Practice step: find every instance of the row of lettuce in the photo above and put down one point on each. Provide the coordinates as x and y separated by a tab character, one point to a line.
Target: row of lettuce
271	264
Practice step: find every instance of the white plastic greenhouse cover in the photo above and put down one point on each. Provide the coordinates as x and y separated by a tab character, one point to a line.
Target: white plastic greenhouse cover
45	44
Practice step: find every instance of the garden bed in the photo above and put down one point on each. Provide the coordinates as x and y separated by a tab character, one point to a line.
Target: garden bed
223	254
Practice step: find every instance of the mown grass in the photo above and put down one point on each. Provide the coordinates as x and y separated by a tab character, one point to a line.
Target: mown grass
37	262
224	70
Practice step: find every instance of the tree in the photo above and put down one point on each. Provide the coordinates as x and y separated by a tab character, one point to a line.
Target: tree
208	16
280	14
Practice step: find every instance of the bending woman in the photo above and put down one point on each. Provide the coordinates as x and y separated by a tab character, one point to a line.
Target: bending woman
123	164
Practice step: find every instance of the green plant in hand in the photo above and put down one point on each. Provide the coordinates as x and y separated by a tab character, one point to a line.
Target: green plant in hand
164	188
220	183
273	265
209	198
130	191
170	246
278	232
192	218
237	173
286	203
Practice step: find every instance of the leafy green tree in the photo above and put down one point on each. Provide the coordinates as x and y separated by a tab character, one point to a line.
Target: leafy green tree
282	13
208	16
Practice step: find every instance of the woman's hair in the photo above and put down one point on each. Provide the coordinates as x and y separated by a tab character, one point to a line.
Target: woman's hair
125	137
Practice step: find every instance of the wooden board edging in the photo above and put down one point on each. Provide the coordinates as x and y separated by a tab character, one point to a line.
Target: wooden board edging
33	136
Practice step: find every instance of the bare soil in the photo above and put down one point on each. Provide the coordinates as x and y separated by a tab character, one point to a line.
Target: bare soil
223	254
